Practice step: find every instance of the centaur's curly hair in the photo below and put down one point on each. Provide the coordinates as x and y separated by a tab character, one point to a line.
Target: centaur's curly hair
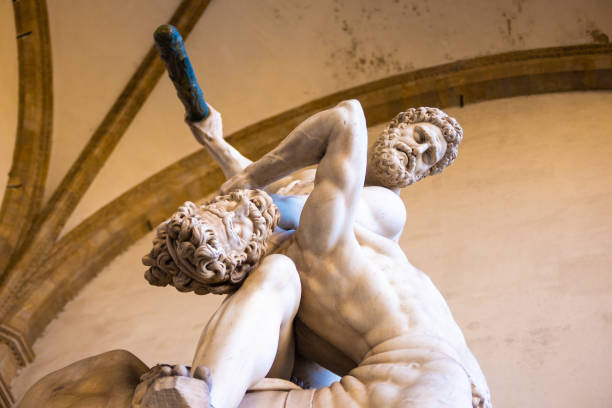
389	166
187	255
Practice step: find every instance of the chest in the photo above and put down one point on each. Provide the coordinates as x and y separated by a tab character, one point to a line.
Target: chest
381	212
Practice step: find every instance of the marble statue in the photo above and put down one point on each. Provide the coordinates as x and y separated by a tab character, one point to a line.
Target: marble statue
358	306
319	278
320	292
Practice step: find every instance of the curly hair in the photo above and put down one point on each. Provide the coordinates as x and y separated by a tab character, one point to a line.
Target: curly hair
389	165
186	253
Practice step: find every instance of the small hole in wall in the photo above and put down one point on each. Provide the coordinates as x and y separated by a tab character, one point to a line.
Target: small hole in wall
461	101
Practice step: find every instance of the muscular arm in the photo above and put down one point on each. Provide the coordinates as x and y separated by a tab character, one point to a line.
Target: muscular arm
209	133
336	139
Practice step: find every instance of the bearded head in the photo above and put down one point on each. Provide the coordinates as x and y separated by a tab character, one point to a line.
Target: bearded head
213	247
415	144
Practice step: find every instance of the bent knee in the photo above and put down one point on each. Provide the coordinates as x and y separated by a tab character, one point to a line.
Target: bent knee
349	116
106	376
117	360
277	274
118	356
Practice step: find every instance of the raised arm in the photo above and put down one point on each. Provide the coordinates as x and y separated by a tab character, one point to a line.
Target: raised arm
336	139
209	133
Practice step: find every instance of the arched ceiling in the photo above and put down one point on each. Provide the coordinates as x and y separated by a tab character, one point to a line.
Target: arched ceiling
258	59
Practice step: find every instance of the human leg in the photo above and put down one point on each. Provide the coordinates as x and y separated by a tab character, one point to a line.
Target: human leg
250	335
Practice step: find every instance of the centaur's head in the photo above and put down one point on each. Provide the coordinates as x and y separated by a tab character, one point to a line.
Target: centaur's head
212	248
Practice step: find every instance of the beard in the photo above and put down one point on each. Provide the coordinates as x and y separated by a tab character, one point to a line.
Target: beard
393	161
187	255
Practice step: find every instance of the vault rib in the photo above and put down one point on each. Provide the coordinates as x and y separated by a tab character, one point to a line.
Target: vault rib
26	183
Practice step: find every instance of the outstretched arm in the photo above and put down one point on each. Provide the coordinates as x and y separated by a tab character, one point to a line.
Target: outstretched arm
209	133
204	121
336	139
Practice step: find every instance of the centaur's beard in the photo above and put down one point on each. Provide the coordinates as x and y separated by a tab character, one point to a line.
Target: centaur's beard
394	162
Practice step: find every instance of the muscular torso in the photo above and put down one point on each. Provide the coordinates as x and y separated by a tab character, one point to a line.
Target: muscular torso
364	291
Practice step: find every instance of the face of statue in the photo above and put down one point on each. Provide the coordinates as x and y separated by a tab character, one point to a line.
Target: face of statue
421	145
404	153
231	222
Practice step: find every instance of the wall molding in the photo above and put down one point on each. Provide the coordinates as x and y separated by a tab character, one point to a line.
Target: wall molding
20	348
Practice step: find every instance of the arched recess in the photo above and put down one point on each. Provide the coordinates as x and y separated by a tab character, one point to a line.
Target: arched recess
84	251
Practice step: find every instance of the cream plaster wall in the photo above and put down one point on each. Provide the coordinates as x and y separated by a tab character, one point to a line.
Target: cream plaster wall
96	47
516	235
9	77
